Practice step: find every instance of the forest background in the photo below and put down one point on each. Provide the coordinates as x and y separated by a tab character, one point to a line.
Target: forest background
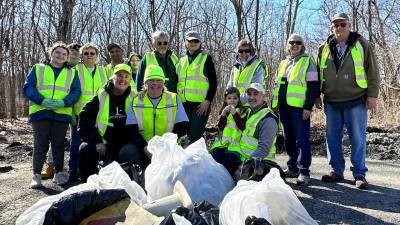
27	28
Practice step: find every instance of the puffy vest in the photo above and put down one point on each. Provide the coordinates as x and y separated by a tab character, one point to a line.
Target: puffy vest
152	60
242	78
192	85
89	84
103	115
248	143
296	80
231	134
357	54
52	89
155	120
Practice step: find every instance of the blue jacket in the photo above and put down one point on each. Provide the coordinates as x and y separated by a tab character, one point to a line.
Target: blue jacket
33	95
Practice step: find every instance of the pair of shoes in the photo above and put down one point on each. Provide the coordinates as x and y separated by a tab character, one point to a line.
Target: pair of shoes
48	172
332	177
60	178
361	183
290	174
73	176
36	181
303	180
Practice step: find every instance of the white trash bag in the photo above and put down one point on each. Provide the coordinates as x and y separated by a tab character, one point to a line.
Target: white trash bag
270	199
202	176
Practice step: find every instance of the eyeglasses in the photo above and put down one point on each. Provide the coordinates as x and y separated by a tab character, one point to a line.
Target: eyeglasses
244	50
162	43
89	53
295	42
193	41
336	25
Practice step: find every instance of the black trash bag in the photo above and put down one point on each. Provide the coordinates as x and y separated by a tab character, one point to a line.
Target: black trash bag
74	208
252	220
256	169
135	172
204	213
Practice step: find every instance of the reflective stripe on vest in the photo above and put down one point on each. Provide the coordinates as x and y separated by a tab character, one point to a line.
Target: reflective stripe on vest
102	118
248	143
90	85
242	78
152	60
155	120
50	88
297	84
192	85
357	54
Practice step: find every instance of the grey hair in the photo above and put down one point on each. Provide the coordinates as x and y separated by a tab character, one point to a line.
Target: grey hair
159	34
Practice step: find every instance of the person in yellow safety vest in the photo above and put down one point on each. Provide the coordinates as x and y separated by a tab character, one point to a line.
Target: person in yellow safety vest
134	60
116	54
197	84
161	56
259	136
295	92
248	68
226	149
102	127
155	112
52	89
350	86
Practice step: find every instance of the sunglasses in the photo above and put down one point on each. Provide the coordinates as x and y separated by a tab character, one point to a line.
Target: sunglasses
295	42
162	43
336	25
244	50
89	53
193	41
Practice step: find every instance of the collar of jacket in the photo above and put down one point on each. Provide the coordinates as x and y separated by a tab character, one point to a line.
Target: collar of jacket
192	57
262	106
353	37
239	64
167	54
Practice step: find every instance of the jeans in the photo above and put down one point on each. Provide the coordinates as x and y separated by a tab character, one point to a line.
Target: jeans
355	120
297	139
230	160
74	149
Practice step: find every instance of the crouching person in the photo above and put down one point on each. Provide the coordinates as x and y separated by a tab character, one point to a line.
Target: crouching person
102	124
155	111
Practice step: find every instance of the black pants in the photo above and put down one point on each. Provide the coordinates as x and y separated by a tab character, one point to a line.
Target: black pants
89	157
230	160
197	124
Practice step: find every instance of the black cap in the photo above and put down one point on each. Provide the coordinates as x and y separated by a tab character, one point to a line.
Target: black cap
113	45
74	46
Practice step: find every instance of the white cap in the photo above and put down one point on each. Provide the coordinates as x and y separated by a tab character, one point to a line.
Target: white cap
257	86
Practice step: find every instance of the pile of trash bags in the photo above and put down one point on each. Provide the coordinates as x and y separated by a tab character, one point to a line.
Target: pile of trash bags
189	183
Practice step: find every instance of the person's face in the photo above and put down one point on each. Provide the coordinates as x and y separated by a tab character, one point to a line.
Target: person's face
122	80
74	57
255	98
295	47
134	62
116	54
341	29
89	56
161	45
232	99
59	56
155	87
244	53
192	45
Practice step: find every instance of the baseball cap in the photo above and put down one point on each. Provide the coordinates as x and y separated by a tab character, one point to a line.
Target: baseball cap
122	67
113	45
256	86
154	72
192	35
340	16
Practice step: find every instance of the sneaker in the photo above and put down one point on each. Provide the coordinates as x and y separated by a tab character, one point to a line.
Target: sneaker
361	183
332	177
290	174
48	172
60	178
36	181
73	176
303	180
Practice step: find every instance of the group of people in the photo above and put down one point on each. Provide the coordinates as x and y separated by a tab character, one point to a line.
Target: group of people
114	110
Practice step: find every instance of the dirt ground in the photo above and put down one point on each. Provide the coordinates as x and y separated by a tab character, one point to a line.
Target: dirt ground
338	203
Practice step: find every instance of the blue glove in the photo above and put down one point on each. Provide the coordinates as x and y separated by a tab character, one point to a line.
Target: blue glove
48	103
58	103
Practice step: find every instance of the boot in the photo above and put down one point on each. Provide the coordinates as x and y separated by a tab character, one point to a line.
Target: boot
49	172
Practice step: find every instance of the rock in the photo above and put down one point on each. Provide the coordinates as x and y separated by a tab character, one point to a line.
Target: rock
5	169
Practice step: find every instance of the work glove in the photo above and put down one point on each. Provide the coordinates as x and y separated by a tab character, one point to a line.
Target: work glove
48	103
58	103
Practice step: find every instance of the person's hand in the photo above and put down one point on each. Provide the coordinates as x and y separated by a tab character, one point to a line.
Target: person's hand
226	110
371	103
306	114
48	103
318	103
202	108
146	151
58	103
101	149
232	110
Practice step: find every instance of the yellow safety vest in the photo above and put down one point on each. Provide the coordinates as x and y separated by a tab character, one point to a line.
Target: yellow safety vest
103	115
242	78
297	84
89	84
248	143
152	60
231	134
357	54
192	85
155	120
52	89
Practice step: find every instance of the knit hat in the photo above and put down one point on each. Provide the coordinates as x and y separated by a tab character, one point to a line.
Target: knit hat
154	72
122	67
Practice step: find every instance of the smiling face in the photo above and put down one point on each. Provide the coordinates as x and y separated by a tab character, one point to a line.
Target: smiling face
59	56
155	87
122	80
161	45
134	60
341	29
116	54
255	98
295	48
89	57
192	45
232	99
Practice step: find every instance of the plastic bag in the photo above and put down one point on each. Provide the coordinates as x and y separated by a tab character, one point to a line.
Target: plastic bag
202	176
110	177
202	214
270	199
256	169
